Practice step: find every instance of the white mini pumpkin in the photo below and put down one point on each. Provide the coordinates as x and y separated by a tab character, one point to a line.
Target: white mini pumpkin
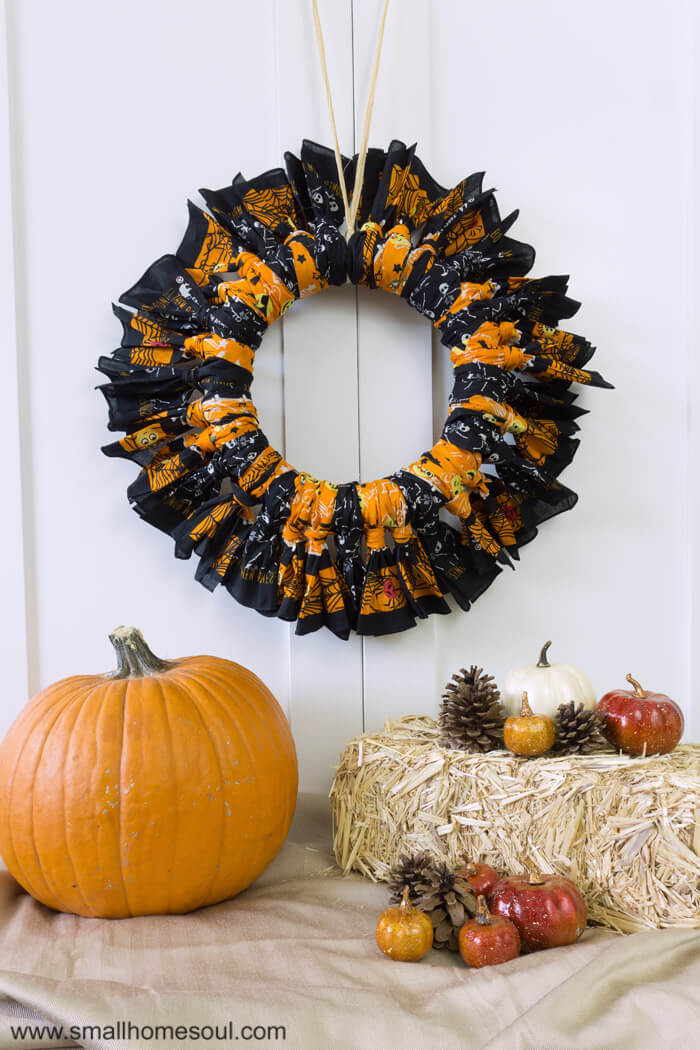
547	686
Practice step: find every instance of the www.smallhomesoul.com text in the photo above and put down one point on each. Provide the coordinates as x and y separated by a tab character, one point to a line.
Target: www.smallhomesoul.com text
118	1030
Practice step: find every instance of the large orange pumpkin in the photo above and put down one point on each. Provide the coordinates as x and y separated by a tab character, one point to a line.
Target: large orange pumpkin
159	788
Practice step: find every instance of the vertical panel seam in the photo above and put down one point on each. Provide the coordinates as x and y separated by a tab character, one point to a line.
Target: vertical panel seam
278	72
280	151
691	21
357	335
18	300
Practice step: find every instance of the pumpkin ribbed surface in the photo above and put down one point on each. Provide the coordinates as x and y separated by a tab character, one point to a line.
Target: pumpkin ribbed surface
149	793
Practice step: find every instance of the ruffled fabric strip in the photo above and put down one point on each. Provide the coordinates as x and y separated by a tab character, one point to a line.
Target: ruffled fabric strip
374	557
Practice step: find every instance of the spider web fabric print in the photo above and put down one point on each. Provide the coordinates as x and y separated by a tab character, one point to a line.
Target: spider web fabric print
374	557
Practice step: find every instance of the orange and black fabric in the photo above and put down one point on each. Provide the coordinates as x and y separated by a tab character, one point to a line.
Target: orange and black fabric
373	557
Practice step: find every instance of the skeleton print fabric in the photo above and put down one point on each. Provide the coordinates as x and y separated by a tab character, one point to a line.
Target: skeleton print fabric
371	557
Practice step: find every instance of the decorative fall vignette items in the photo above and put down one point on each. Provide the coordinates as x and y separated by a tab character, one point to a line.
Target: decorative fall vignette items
451	806
528	734
159	788
578	730
548	910
481	877
547	686
404	933
564	719
539	911
471	713
640	722
488	940
473	716
446	896
569	804
626	825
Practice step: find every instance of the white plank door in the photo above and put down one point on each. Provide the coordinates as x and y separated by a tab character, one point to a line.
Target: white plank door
121	113
111	116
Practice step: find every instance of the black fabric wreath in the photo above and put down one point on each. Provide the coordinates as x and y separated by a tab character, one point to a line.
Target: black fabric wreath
179	387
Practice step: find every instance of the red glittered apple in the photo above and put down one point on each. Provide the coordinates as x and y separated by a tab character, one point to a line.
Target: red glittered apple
481	877
547	910
640	722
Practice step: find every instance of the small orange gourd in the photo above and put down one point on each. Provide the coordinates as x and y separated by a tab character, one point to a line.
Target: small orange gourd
158	788
528	734
404	933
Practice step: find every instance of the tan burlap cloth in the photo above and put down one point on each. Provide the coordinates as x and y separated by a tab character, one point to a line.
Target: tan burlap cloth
297	950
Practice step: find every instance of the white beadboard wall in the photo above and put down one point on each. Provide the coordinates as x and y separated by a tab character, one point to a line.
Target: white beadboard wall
582	115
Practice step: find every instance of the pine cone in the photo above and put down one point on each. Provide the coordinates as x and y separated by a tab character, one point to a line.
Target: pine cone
449	903
446	897
577	729
471	714
415	871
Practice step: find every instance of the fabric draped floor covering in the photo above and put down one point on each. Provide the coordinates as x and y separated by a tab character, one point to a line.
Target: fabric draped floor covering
297	949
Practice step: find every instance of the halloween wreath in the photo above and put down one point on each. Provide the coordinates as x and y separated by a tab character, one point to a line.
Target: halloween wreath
376	556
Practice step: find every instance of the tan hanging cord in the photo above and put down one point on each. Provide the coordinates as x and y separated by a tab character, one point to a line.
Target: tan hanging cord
352	206
362	156
329	100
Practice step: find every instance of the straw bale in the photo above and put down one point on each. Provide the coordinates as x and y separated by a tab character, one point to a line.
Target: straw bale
626	830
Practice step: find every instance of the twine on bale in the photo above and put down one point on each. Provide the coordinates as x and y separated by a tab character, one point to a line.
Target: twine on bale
626	830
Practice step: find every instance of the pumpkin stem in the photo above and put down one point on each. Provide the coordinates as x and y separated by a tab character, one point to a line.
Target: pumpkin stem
483	915
535	875
404	905
638	691
543	661
134	658
525	709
